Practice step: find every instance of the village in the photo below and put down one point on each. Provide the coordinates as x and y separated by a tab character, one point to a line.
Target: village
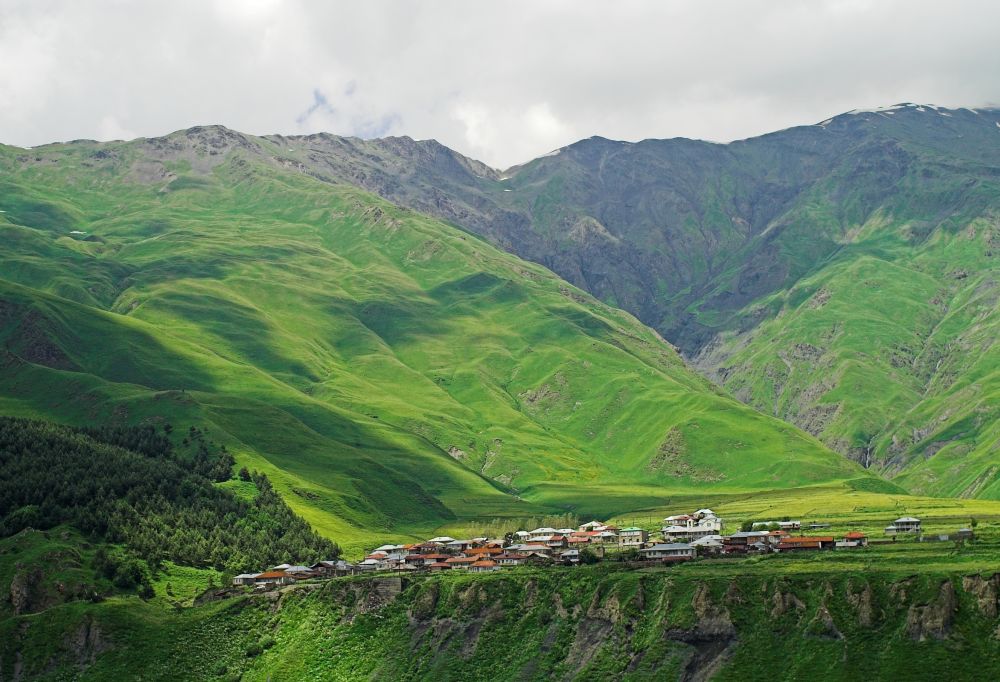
683	538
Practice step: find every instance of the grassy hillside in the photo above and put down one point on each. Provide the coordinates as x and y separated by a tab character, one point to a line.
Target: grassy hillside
823	344
390	374
888	353
841	276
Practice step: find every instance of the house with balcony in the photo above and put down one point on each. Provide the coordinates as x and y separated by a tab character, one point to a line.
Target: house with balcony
904	524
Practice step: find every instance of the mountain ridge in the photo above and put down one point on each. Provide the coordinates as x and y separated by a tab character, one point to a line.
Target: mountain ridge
705	241
715	244
389	373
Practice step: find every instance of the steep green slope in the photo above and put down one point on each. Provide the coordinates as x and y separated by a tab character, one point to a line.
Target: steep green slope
894	363
537	625
867	246
840	276
389	373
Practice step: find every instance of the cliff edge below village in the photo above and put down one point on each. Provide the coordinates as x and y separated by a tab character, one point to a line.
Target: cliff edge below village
566	623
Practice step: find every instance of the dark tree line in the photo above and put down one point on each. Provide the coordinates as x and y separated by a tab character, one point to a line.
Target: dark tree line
126	485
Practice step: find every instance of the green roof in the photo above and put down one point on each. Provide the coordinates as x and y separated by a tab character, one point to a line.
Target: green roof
626	530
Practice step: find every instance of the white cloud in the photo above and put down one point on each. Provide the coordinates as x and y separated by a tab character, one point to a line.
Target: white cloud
480	132
248	10
111	128
541	124
27	62
500	81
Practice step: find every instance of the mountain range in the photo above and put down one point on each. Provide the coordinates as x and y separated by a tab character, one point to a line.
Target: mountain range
388	372
221	351
343	314
840	276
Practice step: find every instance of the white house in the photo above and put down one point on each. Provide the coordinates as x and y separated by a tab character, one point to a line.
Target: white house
570	556
245	579
853	539
904	524
483	566
510	559
673	550
689	527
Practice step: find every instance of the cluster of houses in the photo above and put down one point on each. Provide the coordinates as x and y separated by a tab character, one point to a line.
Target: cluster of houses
542	546
480	555
700	533
286	574
685	536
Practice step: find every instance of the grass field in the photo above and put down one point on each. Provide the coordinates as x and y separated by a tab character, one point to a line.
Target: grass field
844	508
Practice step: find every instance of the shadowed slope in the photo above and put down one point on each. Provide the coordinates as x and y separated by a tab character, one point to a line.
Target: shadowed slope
731	252
385	370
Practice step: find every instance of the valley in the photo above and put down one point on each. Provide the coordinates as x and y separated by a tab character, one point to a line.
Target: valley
350	324
387	372
840	276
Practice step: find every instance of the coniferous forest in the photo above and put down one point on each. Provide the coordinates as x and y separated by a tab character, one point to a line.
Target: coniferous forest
127	486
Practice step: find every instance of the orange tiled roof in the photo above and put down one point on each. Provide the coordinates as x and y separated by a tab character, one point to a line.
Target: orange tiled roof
483	550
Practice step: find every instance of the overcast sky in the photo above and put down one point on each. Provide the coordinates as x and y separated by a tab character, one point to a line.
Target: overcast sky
500	81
